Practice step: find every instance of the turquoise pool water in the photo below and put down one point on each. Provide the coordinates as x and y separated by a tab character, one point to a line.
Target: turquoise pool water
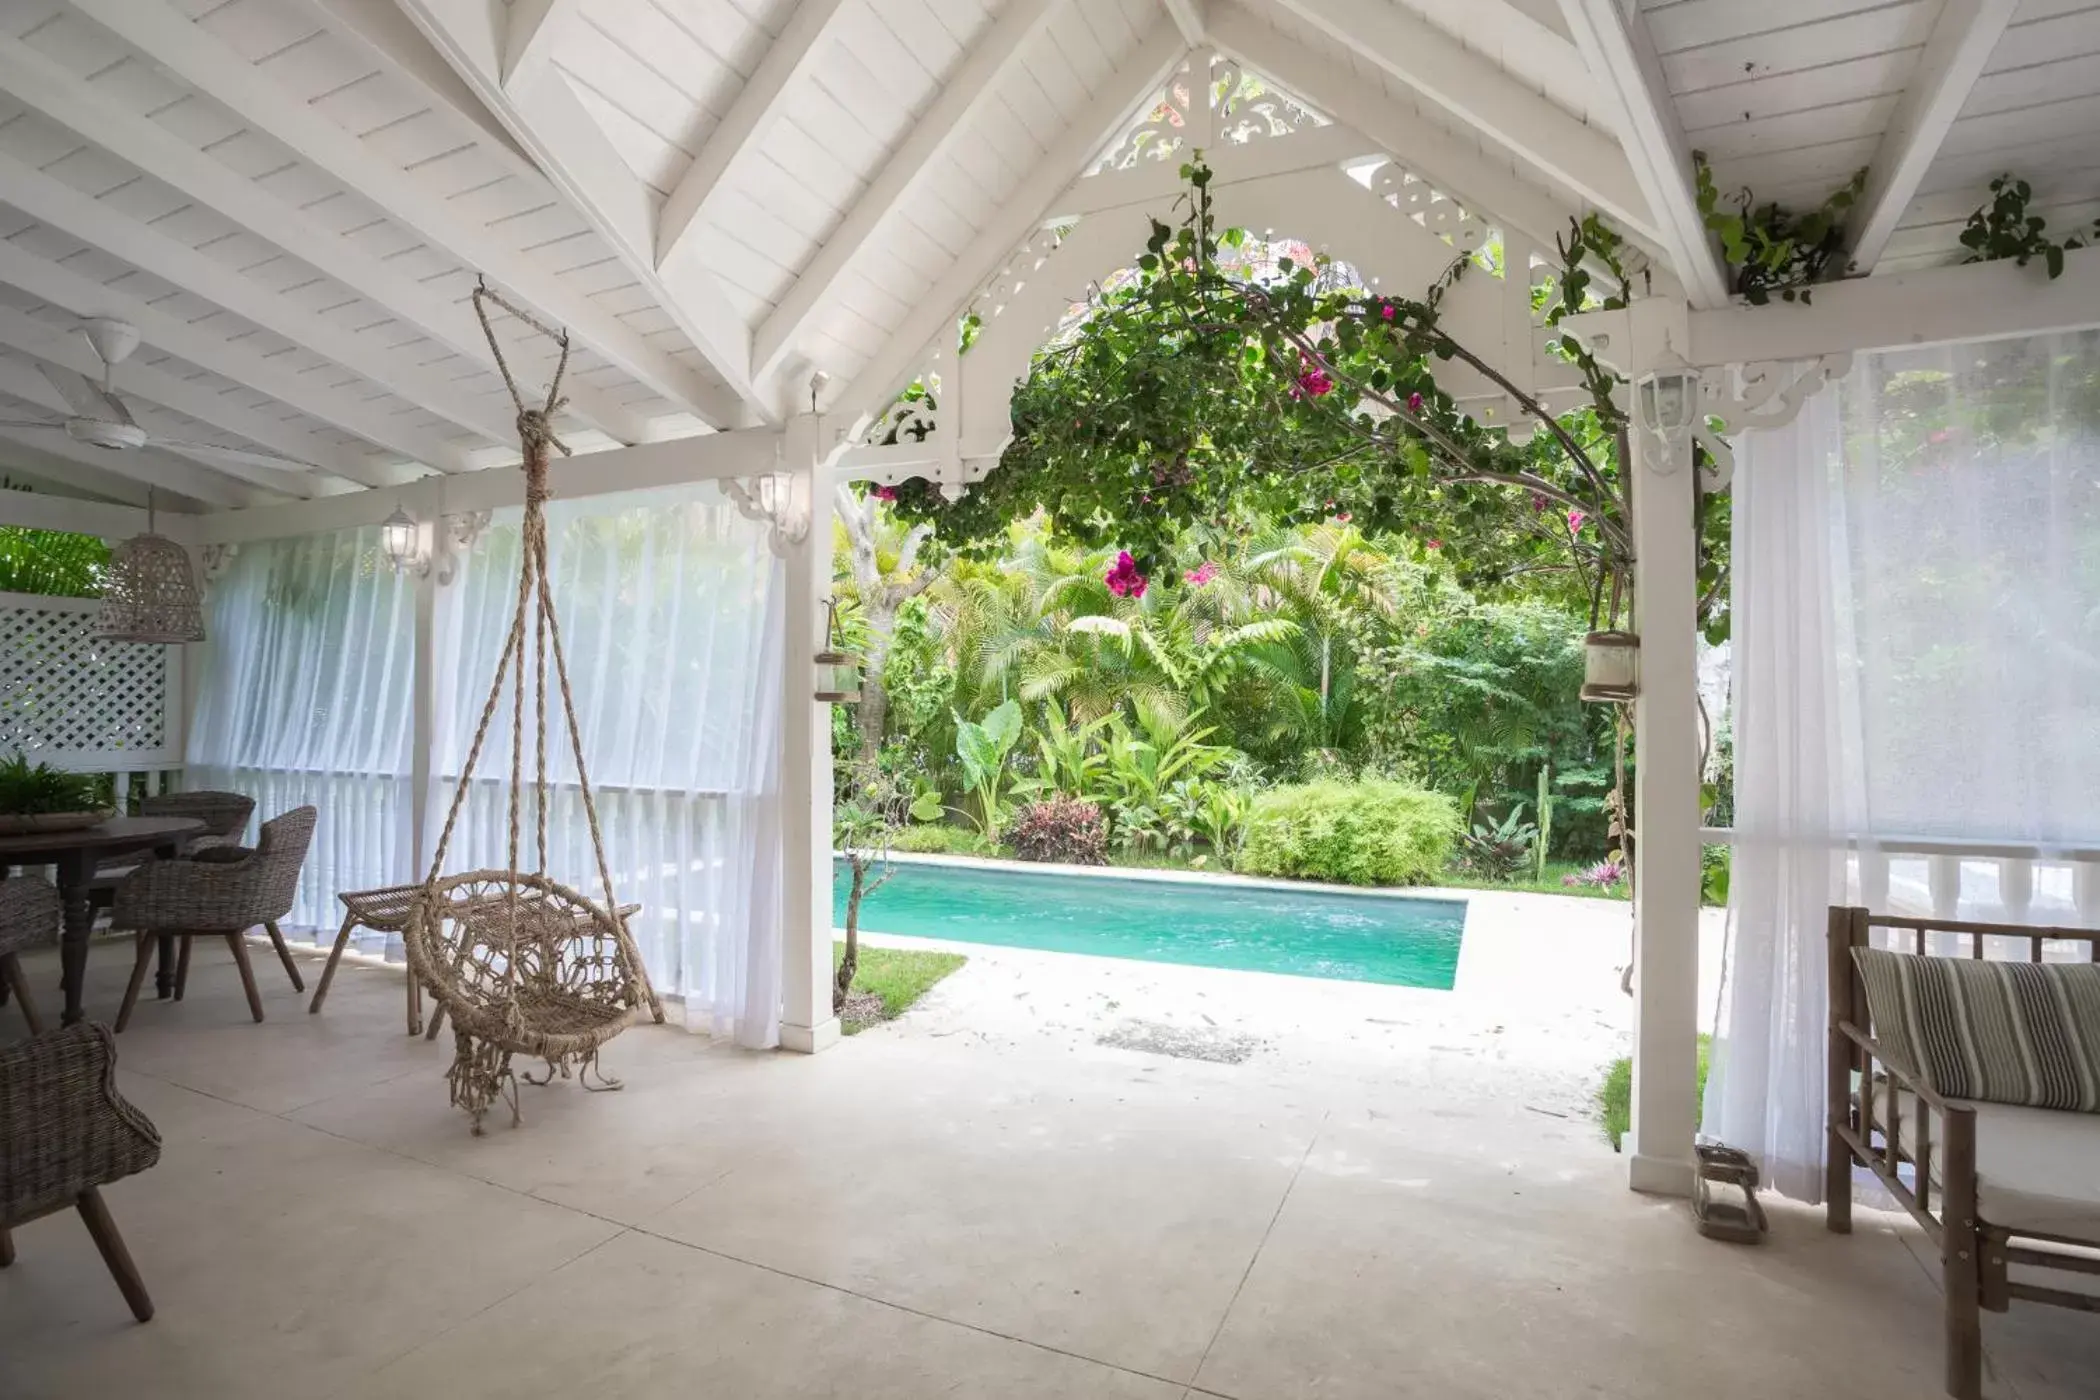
1309	933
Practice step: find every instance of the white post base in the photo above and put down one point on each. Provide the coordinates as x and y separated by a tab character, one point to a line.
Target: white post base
809	1040
1659	1176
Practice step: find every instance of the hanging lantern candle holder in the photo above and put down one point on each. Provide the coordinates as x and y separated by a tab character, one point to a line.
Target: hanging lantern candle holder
838	671
1611	666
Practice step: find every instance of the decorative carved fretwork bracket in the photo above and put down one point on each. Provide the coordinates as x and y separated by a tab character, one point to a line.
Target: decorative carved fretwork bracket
457	536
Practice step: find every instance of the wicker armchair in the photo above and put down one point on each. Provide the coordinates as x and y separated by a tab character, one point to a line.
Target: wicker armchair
224	814
220	892
29	919
65	1132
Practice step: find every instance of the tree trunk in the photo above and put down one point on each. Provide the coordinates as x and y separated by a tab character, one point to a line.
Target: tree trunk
849	961
871	716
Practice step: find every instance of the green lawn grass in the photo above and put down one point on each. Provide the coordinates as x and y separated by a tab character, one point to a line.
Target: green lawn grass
1615	1097
900	976
1556	870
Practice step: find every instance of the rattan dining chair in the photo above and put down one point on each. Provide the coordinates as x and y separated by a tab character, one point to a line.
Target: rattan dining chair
220	892
29	919
65	1133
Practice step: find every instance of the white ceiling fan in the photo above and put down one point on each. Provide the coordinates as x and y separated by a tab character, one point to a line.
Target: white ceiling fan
99	417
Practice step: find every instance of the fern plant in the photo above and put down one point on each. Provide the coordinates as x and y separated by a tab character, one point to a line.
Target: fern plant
35	789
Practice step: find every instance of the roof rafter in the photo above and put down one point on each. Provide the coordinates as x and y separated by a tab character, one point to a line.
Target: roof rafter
947	115
148	467
62	207
1191	18
1132	86
1421	147
84	297
34	80
1961	43
749	118
1481	93
549	120
1622	59
530	33
178	45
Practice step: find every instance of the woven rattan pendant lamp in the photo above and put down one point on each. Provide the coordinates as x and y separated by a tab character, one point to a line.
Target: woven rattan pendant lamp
149	593
523	964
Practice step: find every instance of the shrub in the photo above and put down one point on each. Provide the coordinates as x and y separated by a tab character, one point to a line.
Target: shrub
1062	829
932	840
1365	833
1499	851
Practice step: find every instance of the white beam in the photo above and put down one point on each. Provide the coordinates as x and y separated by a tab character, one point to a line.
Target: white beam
61	206
1130	87
749	118
566	142
645	467
66	475
84	297
1621	58
1961	43
34	80
1157	183
531	31
948	114
1419	147
1483	94
807	1022
193	55
1932	306
1190	17
35	510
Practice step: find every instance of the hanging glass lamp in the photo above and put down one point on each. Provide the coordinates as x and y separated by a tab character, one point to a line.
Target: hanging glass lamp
150	592
837	671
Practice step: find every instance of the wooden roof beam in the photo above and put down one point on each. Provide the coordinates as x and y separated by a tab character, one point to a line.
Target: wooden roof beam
1960	44
948	114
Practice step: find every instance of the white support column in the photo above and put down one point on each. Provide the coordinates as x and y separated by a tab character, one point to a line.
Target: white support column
423	714
806	1022
1666	788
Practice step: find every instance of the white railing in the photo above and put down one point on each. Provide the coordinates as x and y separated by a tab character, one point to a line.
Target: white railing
1980	881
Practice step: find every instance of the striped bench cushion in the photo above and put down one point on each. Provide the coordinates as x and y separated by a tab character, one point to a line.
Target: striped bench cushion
1995	1032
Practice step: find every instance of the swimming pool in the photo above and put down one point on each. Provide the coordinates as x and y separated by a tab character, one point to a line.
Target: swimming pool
1407	942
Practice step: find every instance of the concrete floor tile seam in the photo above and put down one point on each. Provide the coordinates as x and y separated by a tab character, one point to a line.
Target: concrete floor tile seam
893	1305
1254	1257
494	1303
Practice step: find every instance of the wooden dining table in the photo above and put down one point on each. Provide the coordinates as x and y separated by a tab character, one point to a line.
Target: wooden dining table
74	857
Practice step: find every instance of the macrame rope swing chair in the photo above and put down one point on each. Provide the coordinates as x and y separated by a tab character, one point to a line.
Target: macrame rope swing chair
523	964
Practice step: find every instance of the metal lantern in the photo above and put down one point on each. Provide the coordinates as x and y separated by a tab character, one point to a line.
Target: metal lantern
838	673
1611	666
150	592
401	541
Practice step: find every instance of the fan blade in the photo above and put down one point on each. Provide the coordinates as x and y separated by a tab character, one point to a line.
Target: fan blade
256	457
27	423
84	396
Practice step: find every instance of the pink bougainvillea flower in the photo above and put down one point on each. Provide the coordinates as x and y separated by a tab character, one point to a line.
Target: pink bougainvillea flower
1436	544
1342	517
1124	580
1538	502
1414	403
884	493
1200	575
1575	519
1314	383
1387	311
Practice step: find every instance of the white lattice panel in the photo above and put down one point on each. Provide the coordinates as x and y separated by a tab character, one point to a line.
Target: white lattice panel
73	701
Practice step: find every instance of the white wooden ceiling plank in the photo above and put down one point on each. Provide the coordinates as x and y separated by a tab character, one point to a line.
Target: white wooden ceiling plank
2077	76
737	36
203	62
253	30
1959	193
1136	81
1691	24
2025	45
920	32
655	162
1943	236
1962	39
2026	127
1793	130
751	119
1808	89
798	176
71	40
600	61
1899	26
1113	30
1044	60
964	100
1823	167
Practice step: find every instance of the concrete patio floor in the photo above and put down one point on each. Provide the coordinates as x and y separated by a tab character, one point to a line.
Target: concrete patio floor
919	1212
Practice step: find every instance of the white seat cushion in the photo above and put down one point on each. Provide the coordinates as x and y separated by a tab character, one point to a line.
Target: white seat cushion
2037	1169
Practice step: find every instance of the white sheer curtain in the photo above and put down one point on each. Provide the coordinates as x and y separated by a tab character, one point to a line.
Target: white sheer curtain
1917	652
670	607
304	696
